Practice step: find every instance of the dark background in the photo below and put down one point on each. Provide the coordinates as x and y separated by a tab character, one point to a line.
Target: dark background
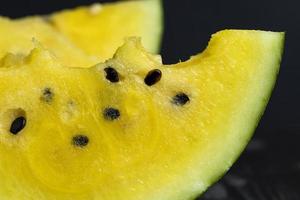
270	167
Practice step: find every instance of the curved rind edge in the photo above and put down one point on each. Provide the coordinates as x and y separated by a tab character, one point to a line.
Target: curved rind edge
281	43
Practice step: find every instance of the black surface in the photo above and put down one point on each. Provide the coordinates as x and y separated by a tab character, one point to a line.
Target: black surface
270	167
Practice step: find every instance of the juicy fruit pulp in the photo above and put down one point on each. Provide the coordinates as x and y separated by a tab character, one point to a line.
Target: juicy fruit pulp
16	37
126	139
84	36
100	29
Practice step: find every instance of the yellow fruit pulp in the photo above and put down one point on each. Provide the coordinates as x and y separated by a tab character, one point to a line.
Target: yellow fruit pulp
101	28
84	36
156	147
16	37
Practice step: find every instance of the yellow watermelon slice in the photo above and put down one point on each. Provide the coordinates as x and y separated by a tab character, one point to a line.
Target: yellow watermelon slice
84	36
100	29
136	129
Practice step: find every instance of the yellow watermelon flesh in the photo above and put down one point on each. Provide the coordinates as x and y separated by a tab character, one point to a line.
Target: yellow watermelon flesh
16	37
84	36
100	29
136	129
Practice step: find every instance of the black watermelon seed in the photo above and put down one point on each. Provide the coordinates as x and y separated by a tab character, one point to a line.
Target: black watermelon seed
180	99
111	113
17	125
153	77
80	140
47	95
111	74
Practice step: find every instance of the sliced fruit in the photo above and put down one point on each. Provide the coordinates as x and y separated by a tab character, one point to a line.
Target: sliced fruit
16	37
101	28
86	35
151	132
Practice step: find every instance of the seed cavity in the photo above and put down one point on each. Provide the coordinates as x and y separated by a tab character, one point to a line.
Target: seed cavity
17	125
80	140
153	77
111	114
112	74
69	110
180	99
47	95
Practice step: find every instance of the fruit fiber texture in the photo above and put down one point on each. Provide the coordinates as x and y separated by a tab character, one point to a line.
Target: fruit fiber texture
132	128
84	36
